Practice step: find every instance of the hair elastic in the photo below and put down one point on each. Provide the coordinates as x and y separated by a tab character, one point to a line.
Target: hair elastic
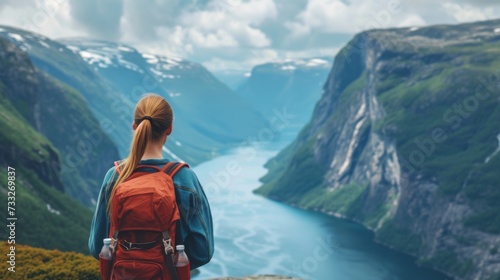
147	118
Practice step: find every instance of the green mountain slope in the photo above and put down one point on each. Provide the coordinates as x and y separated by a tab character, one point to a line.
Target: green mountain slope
46	217
61	113
405	140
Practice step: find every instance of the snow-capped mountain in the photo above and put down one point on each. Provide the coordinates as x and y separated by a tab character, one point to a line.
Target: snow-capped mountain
112	77
204	107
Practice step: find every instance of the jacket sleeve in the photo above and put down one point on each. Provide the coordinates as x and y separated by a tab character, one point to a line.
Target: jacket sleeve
99	228
195	230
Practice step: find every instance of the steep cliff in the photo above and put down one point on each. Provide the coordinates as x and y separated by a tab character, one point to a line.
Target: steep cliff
60	112
46	217
405	140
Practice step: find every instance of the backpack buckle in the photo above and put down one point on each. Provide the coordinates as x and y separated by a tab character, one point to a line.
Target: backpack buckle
112	245
167	243
114	241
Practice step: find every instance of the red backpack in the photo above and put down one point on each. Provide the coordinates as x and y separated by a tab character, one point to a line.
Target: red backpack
143	217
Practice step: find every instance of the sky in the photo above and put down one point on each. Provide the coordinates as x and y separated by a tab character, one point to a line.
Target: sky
234	34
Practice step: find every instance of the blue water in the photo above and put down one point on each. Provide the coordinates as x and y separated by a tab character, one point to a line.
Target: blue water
255	235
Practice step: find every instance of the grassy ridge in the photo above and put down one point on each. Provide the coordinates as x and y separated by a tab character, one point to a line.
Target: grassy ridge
67	229
37	170
42	264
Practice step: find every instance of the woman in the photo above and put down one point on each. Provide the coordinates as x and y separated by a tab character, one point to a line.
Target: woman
152	125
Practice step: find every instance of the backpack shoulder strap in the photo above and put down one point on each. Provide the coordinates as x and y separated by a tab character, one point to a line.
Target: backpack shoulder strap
117	166
172	167
169	255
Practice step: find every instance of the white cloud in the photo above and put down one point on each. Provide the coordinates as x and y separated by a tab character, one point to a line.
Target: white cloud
216	39
222	27
466	13
225	34
50	17
411	20
233	26
337	16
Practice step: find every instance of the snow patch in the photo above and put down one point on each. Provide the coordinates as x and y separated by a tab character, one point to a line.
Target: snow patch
174	94
148	55
497	30
150	58
52	210
173	61
130	65
92	58
414	28
156	72
125	48
247	74
292	64
44	44
316	62
178	143
495	152
74	49
16	37
288	68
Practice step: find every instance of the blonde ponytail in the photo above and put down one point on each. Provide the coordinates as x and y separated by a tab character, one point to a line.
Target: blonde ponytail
153	115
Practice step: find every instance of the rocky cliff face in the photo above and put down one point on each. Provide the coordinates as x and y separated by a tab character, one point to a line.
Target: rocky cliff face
405	141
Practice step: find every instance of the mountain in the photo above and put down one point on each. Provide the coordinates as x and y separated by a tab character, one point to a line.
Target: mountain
293	86
46	216
204	107
60	113
405	140
233	78
112	92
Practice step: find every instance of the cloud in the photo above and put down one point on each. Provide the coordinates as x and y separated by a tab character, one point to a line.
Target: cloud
234	33
340	17
227	29
466	13
99	18
234	26
48	17
141	21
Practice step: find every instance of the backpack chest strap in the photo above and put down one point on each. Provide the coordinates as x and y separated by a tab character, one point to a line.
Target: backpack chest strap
129	246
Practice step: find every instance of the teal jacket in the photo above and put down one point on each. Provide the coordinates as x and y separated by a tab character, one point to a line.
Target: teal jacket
195	229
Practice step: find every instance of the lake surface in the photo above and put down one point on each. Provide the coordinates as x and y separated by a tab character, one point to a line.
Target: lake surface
255	235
